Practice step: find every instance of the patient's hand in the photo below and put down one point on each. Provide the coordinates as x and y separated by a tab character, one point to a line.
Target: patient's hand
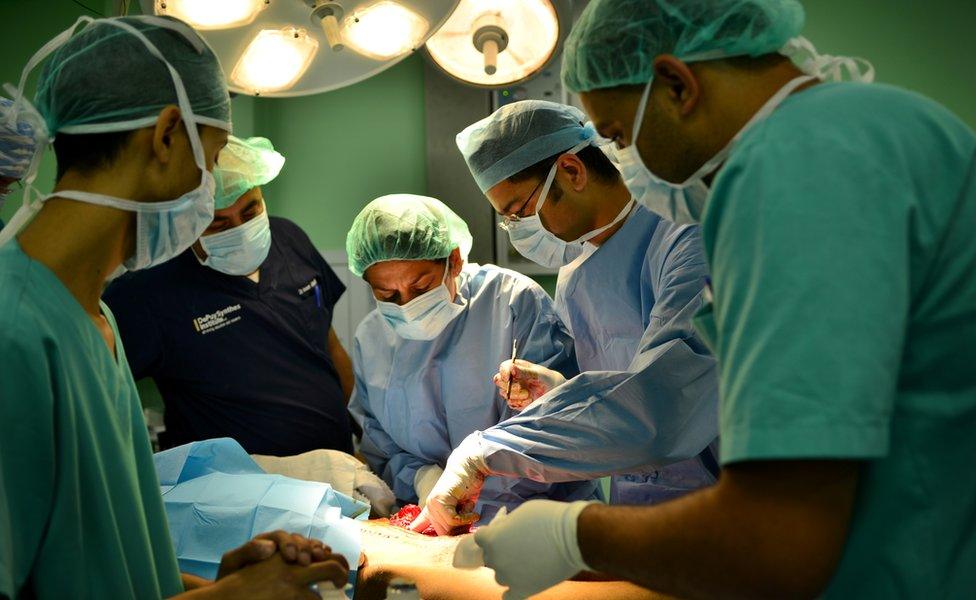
294	549
275	579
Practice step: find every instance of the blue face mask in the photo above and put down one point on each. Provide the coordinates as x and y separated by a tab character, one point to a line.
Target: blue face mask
533	241
239	250
424	317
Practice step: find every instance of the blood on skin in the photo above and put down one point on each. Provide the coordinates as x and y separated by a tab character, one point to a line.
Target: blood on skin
409	513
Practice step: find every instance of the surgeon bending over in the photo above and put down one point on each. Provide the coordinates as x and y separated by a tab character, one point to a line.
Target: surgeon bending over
837	217
629	283
424	358
140	110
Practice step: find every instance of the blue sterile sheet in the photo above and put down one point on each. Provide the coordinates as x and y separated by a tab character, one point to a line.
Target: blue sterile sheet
217	498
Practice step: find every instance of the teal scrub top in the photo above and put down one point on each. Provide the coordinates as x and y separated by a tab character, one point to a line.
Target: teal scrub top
841	235
81	515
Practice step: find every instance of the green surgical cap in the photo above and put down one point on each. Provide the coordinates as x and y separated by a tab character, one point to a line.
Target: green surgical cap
405	227
517	136
104	78
243	165
615	42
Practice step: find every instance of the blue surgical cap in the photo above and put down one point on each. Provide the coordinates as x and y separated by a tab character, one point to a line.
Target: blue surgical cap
105	79
17	142
615	42
519	135
243	165
405	227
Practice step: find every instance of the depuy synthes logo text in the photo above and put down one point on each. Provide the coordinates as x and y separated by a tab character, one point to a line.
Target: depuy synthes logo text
217	320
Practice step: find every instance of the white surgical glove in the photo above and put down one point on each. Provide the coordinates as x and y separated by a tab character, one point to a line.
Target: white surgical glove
344	472
374	490
453	498
529	382
424	480
534	547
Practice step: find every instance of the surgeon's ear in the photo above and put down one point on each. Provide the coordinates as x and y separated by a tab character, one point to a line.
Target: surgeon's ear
679	82
456	262
575	171
169	124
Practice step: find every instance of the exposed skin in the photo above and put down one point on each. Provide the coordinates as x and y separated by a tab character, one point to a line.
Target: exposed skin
578	202
248	206
445	583
683	126
771	529
82	244
400	281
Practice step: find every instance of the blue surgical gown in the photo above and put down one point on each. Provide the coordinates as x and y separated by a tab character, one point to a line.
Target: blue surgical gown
417	400
647	401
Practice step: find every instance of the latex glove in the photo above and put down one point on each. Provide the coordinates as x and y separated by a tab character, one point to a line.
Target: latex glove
453	498
424	481
374	490
344	472
534	547
529	382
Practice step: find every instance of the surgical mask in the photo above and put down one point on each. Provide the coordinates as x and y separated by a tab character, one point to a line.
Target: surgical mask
536	243
163	229
683	203
239	250
426	316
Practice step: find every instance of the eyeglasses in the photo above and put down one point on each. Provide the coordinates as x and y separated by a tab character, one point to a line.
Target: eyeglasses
517	215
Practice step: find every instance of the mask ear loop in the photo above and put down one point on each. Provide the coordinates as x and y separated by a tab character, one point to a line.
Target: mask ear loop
639	116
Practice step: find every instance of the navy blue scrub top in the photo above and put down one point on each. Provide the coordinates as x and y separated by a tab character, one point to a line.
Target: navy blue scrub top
234	358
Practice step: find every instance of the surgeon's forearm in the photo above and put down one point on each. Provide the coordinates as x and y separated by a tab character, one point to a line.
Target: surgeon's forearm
767	529
343	364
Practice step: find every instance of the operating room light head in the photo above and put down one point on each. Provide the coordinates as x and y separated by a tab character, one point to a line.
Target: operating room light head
400	281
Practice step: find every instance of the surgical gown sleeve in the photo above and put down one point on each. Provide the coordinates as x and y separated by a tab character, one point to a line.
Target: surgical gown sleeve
662	409
27	391
396	466
542	337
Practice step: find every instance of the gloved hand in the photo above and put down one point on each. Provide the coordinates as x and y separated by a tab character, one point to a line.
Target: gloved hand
529	382
534	547
453	498
424	480
372	489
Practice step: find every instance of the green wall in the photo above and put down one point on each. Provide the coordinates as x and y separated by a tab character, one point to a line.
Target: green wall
924	45
344	148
